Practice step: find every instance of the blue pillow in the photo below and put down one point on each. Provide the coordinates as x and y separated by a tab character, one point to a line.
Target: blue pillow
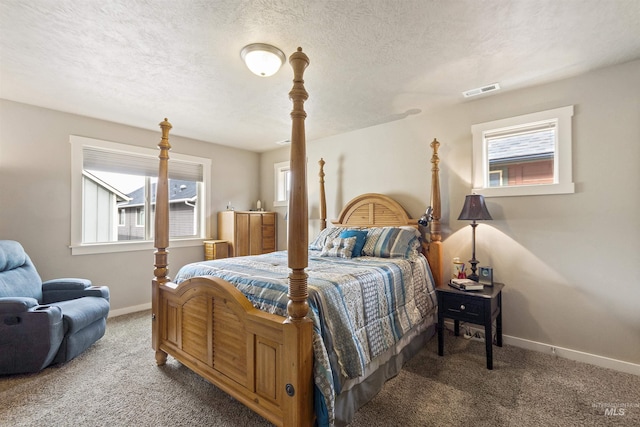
361	237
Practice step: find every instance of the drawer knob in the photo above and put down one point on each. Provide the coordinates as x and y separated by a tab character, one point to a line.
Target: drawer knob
462	307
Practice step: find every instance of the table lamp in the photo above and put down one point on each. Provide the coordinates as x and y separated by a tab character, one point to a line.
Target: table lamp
474	209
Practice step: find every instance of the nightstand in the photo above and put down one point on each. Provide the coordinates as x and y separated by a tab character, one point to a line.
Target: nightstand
216	249
480	307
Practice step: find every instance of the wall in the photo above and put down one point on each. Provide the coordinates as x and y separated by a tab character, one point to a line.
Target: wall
35	198
568	261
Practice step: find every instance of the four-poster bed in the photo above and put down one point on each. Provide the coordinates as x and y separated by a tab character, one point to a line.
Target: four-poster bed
266	359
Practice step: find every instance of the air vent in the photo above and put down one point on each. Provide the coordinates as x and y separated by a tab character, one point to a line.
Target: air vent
481	90
284	142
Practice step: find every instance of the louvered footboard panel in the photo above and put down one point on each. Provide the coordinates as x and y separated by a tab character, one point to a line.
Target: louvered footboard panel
195	328
229	343
209	326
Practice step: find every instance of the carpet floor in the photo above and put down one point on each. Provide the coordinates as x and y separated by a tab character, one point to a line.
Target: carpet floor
117	383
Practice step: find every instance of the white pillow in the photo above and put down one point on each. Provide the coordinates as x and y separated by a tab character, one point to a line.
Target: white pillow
324	235
339	247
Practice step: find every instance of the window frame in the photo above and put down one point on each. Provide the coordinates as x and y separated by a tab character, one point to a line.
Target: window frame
281	195
140	217
121	218
78	247
563	183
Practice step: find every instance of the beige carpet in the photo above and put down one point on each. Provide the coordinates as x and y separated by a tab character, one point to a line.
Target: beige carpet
116	383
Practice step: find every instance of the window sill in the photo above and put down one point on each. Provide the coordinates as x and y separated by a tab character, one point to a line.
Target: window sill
526	190
105	248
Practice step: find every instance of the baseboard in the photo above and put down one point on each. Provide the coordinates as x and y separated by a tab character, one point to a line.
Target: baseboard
579	356
127	310
567	353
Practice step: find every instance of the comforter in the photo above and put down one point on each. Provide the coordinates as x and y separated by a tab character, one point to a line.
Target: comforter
360	307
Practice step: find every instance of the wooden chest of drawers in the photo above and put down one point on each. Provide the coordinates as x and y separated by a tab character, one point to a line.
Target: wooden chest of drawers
248	232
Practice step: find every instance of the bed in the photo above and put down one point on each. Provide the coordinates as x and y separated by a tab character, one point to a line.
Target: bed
263	329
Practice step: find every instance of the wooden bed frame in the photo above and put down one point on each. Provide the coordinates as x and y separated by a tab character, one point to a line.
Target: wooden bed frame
263	360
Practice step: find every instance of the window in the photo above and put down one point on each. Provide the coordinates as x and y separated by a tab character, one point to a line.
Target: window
139	217
524	155
282	174
113	196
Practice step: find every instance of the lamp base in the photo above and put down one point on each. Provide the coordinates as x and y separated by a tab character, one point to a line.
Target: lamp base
473	276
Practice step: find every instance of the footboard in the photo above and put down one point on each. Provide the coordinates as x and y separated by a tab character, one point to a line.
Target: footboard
261	359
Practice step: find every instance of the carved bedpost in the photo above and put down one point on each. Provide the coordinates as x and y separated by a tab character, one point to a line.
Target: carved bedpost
161	241
298	329
435	244
323	199
162	206
298	236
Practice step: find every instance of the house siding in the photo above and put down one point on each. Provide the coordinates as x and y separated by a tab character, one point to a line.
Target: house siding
99	213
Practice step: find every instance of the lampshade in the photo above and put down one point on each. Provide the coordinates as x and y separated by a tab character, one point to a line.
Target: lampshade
474	208
262	59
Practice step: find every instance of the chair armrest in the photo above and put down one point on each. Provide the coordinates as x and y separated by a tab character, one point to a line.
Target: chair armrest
29	338
16	304
71	288
97	291
66	284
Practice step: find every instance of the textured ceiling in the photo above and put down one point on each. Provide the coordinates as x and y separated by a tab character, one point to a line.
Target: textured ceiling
372	61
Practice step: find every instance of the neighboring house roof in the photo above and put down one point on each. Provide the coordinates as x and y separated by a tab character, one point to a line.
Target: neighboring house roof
179	191
120	196
539	144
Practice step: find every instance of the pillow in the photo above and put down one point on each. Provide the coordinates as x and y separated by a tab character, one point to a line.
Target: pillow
341	248
324	235
360	235
392	242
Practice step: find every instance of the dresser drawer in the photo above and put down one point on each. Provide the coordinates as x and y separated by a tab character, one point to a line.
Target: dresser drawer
268	245
268	219
461	308
268	232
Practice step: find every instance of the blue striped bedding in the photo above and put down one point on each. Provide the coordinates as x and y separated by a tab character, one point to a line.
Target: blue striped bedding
360	306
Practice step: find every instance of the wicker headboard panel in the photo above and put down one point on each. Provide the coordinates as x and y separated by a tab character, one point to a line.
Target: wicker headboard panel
373	210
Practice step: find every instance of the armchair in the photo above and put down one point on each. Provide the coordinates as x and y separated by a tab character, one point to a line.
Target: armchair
44	323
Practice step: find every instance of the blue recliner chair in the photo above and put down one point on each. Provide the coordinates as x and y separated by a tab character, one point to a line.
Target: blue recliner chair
44	323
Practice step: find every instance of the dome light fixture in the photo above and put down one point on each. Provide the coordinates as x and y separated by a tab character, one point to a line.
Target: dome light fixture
262	59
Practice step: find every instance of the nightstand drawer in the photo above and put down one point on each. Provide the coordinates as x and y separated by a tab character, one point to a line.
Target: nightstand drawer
216	249
462	308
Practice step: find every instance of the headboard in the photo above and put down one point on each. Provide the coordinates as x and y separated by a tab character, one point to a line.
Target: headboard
373	210
378	210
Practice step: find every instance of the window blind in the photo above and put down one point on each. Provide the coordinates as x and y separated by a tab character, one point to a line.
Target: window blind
100	159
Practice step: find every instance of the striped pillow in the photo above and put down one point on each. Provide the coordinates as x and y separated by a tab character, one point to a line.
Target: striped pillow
392	242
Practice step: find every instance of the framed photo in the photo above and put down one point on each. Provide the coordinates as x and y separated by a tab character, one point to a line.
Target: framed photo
485	276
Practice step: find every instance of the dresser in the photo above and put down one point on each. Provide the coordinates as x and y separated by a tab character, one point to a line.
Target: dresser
248	232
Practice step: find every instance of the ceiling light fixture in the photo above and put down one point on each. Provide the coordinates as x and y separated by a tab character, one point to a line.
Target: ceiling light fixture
262	59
